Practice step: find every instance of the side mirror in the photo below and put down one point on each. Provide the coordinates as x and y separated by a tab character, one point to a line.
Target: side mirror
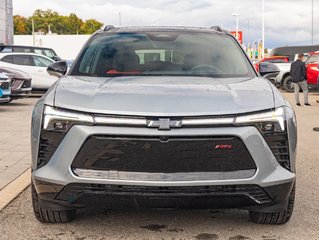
269	71
267	68
57	69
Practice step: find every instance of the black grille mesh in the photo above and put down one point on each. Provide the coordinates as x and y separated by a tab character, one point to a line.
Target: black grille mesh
74	190
49	142
166	155
278	143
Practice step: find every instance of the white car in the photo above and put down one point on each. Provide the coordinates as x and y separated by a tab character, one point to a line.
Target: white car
33	64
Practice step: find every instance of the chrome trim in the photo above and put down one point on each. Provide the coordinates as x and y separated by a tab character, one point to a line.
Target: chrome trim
51	114
207	121
120	121
165	177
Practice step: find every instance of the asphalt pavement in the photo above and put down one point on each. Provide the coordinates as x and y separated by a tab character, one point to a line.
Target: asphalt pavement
18	222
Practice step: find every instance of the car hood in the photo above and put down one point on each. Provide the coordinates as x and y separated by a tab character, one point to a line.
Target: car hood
164	96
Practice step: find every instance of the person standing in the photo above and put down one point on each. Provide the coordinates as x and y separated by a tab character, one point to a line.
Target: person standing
298	75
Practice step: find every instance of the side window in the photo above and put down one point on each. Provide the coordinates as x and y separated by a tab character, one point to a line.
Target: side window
7	59
49	53
38	51
41	62
21	49
7	50
22	60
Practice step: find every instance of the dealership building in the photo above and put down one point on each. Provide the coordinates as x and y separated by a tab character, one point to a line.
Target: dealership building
6	22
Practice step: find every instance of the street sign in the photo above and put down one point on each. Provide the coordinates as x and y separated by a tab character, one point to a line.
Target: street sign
239	37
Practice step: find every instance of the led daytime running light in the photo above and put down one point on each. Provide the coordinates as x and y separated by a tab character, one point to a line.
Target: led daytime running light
51	114
274	116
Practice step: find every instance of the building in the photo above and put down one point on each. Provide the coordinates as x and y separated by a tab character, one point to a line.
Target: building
6	22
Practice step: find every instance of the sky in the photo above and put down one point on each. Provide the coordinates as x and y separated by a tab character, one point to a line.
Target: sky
287	22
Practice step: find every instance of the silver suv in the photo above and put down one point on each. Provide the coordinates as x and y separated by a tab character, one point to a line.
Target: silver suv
162	118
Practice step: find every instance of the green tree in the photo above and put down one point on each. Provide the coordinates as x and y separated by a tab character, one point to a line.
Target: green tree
20	25
75	23
45	19
90	26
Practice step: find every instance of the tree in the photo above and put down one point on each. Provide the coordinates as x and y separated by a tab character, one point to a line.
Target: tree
43	19
75	23
90	26
20	25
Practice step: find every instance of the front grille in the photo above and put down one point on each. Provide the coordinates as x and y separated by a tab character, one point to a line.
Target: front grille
163	155
49	142
278	143
5	85
254	192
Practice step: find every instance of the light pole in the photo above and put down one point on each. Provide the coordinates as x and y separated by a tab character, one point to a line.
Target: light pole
263	30
236	16
312	22
33	34
120	19
248	25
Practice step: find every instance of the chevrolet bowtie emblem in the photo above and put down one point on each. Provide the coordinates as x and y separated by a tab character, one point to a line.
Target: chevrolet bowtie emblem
164	124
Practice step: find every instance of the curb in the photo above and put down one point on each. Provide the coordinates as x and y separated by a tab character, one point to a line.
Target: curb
13	189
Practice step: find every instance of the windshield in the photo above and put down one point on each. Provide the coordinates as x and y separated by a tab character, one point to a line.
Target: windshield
163	53
313	58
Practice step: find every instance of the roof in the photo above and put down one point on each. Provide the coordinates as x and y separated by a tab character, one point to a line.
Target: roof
2	54
112	29
291	50
23	46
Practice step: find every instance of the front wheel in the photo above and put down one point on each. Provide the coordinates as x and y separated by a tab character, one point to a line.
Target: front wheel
288	85
49	215
275	217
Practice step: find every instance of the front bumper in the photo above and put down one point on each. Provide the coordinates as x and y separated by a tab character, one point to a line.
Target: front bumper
4	99
273	182
20	93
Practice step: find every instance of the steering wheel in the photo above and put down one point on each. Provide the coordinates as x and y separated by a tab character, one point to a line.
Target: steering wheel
204	68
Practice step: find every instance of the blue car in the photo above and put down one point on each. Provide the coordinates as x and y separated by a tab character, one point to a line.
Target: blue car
5	88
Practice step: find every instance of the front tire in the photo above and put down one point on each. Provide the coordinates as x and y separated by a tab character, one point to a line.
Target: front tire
288	85
48	215
275	218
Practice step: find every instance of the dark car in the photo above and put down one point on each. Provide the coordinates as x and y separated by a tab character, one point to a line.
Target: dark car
48	52
20	82
162	117
292	51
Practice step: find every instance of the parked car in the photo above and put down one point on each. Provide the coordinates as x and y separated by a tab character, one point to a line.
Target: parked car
33	64
48	52
312	62
269	71
189	126
20	82
293	51
274	59
5	89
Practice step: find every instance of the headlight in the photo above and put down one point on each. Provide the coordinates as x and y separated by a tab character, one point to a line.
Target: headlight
61	120
272	121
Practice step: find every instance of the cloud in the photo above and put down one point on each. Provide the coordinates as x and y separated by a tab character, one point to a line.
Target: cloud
287	22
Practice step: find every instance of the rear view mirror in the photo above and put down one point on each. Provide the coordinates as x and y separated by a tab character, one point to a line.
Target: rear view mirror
57	69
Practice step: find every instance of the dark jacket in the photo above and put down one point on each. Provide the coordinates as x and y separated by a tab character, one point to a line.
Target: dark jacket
298	71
